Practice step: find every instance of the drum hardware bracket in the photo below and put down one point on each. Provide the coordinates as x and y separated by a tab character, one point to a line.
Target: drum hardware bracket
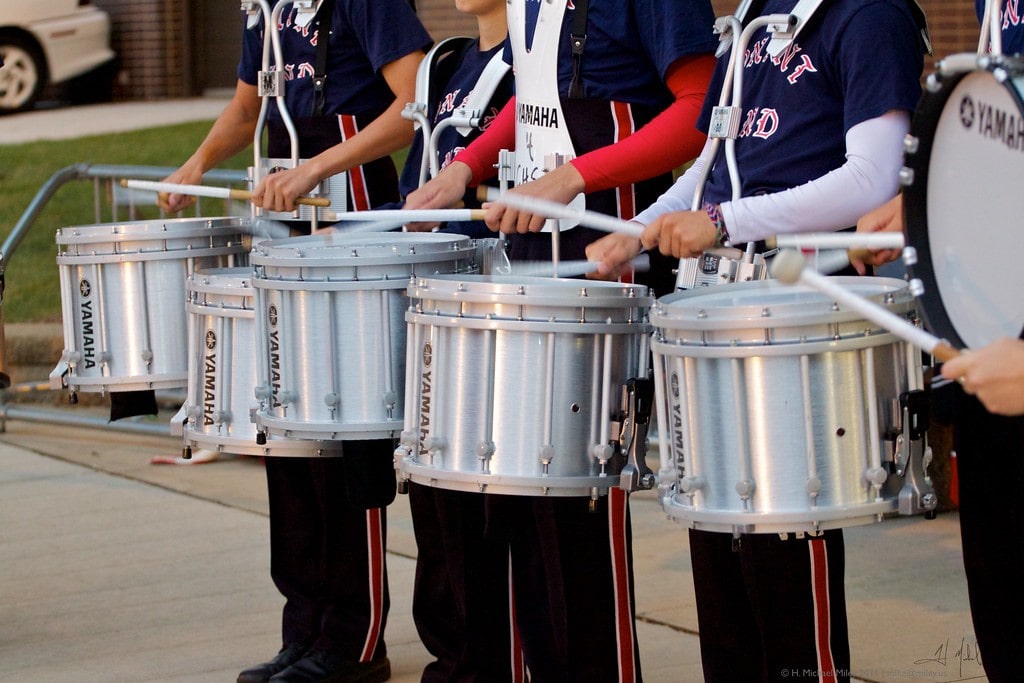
633	423
913	456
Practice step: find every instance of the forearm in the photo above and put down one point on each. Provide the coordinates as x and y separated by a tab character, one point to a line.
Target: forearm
665	143
835	200
481	155
231	133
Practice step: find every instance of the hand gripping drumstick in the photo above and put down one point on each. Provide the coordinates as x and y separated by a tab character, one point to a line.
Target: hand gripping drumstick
790	268
545	207
402	216
590	219
210	191
858	246
838	240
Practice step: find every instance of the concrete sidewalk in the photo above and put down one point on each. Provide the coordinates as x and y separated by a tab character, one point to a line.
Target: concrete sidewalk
113	569
63	123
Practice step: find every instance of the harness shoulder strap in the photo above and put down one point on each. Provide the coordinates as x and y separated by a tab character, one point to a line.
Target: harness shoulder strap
486	85
324	18
578	38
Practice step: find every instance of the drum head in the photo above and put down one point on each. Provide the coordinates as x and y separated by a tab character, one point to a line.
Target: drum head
961	205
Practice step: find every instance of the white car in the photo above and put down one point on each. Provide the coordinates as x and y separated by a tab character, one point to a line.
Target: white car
44	42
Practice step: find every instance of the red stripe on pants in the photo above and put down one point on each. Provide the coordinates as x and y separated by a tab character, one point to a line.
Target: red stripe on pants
618	501
375	555
356	178
822	609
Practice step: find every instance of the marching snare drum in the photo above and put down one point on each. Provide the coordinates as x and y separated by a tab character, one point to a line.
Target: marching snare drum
330	330
964	165
220	402
513	381
123	298
781	408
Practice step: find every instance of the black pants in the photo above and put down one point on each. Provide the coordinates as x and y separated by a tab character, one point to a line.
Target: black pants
461	599
770	609
990	464
327	537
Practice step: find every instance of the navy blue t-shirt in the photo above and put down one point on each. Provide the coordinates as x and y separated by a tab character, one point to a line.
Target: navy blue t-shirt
855	61
1011	23
365	35
630	45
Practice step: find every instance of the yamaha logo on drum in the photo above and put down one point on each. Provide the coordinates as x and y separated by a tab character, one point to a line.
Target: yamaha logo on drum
88	329
272	315
967	112
209	379
426	389
993	123
677	426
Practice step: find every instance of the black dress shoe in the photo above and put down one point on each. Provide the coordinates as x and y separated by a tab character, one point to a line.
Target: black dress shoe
261	673
318	666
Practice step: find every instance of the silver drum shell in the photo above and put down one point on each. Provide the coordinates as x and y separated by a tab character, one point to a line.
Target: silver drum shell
330	329
123	298
220	402
513	380
779	404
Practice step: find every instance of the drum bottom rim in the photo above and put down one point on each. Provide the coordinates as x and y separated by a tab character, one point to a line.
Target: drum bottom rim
819	519
275	447
330	431
110	385
507	484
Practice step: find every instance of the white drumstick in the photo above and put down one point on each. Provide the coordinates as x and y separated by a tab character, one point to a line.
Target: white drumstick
640	264
210	191
838	240
545	207
790	267
402	216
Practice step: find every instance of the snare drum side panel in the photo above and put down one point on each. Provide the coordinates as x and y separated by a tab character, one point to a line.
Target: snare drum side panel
222	376
338	364
459	403
715	431
841	435
166	316
534	411
776	417
369	351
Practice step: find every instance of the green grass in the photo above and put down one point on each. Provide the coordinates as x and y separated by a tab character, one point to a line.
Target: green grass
32	281
31	274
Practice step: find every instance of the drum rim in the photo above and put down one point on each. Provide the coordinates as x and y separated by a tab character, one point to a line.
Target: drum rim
662	319
139	231
307	250
599	293
922	128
